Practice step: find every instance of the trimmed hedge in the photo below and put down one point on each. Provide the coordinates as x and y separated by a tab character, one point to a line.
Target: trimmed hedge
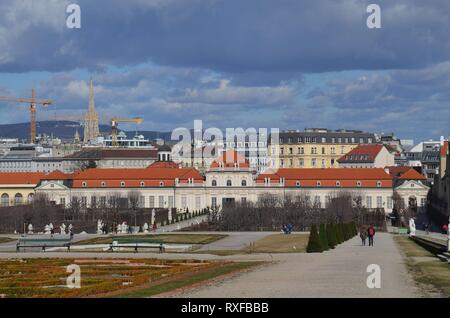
323	237
314	243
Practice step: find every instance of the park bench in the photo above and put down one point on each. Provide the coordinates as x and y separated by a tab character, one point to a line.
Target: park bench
43	243
136	244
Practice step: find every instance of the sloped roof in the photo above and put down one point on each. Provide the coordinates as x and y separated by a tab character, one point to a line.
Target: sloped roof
444	149
347	177
361	153
412	174
229	158
57	175
11	178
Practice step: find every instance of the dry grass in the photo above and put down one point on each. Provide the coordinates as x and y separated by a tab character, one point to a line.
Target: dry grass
432	276
6	240
47	277
281	243
166	238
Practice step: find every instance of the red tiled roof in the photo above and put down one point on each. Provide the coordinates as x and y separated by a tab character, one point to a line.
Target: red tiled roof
57	175
347	177
444	149
362	153
12	178
412	174
164	164
229	158
151	176
397	171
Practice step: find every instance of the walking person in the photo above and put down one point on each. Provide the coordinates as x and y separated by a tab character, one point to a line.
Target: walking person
363	235
370	234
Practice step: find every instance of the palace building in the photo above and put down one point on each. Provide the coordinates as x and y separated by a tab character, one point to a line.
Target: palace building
228	180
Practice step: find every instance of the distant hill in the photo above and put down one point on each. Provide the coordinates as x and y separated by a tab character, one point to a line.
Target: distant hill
65	130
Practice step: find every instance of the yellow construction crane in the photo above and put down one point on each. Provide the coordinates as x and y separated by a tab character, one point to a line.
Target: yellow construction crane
33	102
115	122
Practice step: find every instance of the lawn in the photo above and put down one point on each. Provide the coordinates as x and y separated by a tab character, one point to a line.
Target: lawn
275	243
281	243
166	238
105	277
431	275
6	240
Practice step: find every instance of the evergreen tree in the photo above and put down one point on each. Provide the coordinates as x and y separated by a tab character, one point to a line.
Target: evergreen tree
339	237
331	235
323	237
314	244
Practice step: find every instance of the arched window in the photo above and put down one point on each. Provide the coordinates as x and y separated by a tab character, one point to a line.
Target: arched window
338	183
84	184
122	184
244	183
379	184
358	184
4	199
103	184
214	183
297	183
142	184
30	198
229	183
18	199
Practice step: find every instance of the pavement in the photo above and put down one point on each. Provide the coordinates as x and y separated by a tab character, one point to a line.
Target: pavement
337	273
341	272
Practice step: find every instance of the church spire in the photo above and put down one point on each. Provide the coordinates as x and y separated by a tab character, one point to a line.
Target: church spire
91	130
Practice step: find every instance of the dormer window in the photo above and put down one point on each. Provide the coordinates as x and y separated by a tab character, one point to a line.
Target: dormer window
122	184
379	184
358	184
84	184
103	184
318	184
161	183
338	184
297	183
142	184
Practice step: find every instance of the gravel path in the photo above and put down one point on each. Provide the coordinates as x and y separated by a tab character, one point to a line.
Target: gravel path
337	273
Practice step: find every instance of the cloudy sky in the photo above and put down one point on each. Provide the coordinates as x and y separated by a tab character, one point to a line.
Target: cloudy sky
288	64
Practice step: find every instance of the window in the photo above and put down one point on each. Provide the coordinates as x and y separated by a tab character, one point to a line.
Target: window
369	202
141	202
4	200
214	183
358	184
301	162
184	202
313	162
318	184
244	183
122	184
389	203
18	199
171	202
161	183
62	201
317	202
83	202
151	201
103	201
94	201
103	184
142	184
379	202
214	202
198	203
30	198
161	201
228	183
378	184
297	183
84	184
323	150
338	183
243	200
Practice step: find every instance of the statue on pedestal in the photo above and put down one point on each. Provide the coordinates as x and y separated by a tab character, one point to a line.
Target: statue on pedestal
145	227
30	228
412	227
153	216
100	226
47	229
63	228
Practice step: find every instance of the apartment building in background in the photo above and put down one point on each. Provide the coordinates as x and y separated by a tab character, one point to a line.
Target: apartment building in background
315	147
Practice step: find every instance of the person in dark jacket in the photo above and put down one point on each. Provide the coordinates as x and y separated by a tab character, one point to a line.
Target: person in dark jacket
363	235
370	234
